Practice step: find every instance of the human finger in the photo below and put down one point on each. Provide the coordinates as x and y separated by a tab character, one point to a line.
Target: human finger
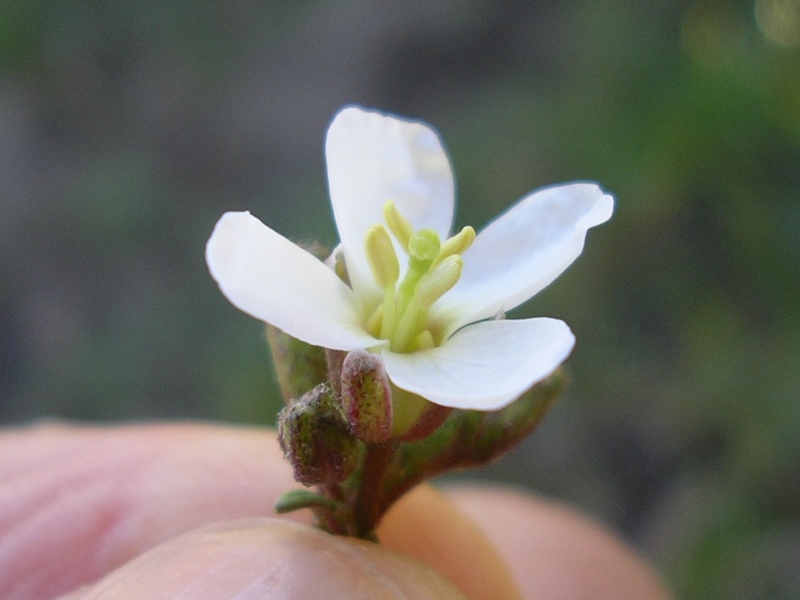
556	553
269	559
79	502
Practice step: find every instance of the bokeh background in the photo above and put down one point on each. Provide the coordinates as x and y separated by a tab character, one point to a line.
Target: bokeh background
127	128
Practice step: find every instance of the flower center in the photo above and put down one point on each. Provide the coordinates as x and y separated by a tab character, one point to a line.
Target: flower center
433	269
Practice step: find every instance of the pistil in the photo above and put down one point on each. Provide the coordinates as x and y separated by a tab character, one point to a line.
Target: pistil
434	268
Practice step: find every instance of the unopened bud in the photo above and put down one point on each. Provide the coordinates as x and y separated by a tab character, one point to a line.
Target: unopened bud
367	397
316	440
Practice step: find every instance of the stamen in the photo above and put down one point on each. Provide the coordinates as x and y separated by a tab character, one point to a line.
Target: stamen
389	321
424	341
438	281
337	263
413	318
375	321
400	227
381	257
433	269
432	286
457	244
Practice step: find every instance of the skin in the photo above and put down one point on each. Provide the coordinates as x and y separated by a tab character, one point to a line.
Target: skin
184	511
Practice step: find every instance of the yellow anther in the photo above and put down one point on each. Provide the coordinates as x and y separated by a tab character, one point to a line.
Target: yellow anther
381	256
433	269
339	266
424	341
458	244
375	321
438	281
398	224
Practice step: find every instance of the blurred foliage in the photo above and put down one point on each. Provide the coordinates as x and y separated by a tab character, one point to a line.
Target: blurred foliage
127	128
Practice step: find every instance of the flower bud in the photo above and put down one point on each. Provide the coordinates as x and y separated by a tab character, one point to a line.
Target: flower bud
366	397
316	440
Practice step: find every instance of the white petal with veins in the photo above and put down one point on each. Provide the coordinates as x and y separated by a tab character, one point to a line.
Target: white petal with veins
270	278
373	158
484	366
523	251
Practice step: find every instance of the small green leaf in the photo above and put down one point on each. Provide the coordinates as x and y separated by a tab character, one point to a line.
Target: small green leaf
299	499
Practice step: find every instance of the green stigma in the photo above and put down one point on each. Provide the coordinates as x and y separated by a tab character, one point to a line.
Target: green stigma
434	268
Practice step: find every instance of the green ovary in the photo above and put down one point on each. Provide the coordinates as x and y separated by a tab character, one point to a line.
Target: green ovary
433	269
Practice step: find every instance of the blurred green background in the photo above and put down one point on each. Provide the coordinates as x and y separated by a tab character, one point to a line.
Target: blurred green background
127	128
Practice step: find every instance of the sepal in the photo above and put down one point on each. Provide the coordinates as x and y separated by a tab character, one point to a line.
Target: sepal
298	365
470	438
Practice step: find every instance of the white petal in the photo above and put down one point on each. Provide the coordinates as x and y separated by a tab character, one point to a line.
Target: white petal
523	251
270	278
485	366
373	158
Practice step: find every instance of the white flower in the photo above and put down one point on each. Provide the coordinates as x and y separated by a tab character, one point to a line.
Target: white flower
432	322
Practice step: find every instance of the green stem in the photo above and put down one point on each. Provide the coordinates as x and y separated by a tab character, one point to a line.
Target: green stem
369	506
332	520
389	321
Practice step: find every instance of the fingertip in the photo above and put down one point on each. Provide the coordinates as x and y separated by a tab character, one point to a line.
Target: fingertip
428	526
556	553
269	558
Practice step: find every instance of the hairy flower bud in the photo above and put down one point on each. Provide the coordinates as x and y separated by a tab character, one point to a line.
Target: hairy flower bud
366	397
316	440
